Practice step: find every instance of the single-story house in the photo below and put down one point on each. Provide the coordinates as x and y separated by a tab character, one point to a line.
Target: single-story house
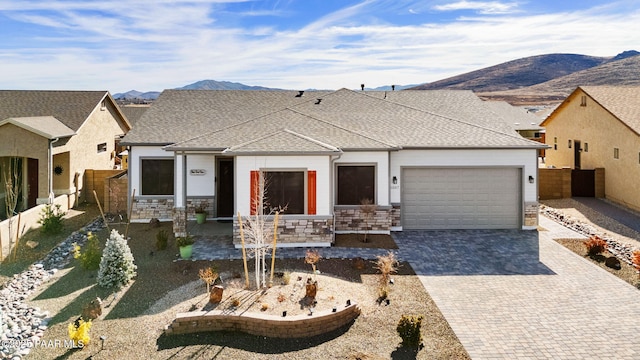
599	127
49	138
426	159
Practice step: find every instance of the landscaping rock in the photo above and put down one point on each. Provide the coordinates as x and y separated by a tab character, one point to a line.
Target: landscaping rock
613	263
93	310
215	296
23	323
358	263
32	244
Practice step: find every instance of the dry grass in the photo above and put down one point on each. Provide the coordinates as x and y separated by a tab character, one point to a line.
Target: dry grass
627	272
134	320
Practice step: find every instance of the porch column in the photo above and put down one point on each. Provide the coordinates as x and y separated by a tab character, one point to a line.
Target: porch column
180	195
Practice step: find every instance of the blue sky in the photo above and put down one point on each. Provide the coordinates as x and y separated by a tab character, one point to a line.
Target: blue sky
294	44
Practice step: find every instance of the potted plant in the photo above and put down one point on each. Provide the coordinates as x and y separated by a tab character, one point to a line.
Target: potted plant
185	243
201	213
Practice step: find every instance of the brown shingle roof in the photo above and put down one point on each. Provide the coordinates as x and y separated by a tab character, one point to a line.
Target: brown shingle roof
344	119
71	108
621	101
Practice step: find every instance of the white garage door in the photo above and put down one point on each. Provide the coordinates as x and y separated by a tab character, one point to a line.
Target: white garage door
461	198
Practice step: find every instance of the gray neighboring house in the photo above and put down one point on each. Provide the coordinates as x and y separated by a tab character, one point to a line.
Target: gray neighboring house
427	159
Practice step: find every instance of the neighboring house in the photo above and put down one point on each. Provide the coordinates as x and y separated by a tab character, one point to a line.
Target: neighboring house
427	159
524	122
599	127
51	137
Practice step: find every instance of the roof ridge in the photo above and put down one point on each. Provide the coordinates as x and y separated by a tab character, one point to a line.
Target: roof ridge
315	141
345	129
516	136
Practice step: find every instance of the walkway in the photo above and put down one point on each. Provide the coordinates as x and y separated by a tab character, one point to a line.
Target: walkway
520	295
618	214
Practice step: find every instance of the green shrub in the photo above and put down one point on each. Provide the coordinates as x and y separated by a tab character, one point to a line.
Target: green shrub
90	258
116	266
161	240
409	330
51	220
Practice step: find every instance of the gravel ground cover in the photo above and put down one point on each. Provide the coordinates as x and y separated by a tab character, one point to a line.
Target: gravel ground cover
133	319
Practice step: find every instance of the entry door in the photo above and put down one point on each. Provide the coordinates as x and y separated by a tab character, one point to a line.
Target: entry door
224	187
32	182
577	150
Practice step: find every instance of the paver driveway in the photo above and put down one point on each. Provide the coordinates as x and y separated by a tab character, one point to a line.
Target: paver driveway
519	294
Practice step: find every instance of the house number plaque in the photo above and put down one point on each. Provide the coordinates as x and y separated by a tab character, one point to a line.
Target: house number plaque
197	172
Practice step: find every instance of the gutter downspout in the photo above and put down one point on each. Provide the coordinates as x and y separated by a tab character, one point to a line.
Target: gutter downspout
50	170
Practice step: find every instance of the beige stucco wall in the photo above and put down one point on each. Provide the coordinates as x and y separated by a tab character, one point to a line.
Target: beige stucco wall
17	142
596	127
100	127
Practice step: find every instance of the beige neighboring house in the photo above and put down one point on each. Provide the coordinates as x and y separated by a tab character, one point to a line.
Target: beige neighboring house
49	138
524	122
599	127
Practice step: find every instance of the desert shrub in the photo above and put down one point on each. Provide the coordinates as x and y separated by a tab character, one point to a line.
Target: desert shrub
595	245
116	266
79	332
208	275
90	258
409	330
286	278
51	219
635	259
312	257
161	240
387	265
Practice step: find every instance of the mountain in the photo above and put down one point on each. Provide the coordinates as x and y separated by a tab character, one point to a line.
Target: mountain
623	71
517	73
133	94
221	85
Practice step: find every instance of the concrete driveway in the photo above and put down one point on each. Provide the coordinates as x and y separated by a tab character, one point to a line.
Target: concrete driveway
518	294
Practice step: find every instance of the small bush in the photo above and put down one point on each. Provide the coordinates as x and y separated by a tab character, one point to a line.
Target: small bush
409	330
209	276
79	332
595	246
116	266
286	278
635	259
161	240
264	307
90	258
51	219
387	265
312	257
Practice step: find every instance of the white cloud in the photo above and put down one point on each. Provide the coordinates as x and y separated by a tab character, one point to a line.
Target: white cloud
145	47
483	7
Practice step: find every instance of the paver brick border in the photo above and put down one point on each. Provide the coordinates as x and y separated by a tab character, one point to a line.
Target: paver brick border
296	326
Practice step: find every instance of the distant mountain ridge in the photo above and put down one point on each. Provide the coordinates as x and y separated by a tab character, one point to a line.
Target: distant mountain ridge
549	77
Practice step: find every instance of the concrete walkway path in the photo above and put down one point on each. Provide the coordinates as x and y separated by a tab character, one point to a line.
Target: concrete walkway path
511	294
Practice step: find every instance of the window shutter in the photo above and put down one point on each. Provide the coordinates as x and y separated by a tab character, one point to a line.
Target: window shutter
254	189
311	196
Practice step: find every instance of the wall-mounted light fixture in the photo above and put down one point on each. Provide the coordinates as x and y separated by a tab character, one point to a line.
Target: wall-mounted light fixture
531	180
394	180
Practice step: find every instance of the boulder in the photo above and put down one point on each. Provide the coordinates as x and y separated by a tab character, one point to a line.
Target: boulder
215	296
312	289
613	262
93	310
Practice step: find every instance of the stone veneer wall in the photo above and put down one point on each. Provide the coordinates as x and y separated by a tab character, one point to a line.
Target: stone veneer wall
149	208
531	214
297	326
349	218
295	229
179	222
396	215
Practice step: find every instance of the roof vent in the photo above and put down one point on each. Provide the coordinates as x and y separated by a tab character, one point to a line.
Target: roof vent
362	87
318	101
300	93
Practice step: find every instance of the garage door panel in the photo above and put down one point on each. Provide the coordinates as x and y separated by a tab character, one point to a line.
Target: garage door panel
461	198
